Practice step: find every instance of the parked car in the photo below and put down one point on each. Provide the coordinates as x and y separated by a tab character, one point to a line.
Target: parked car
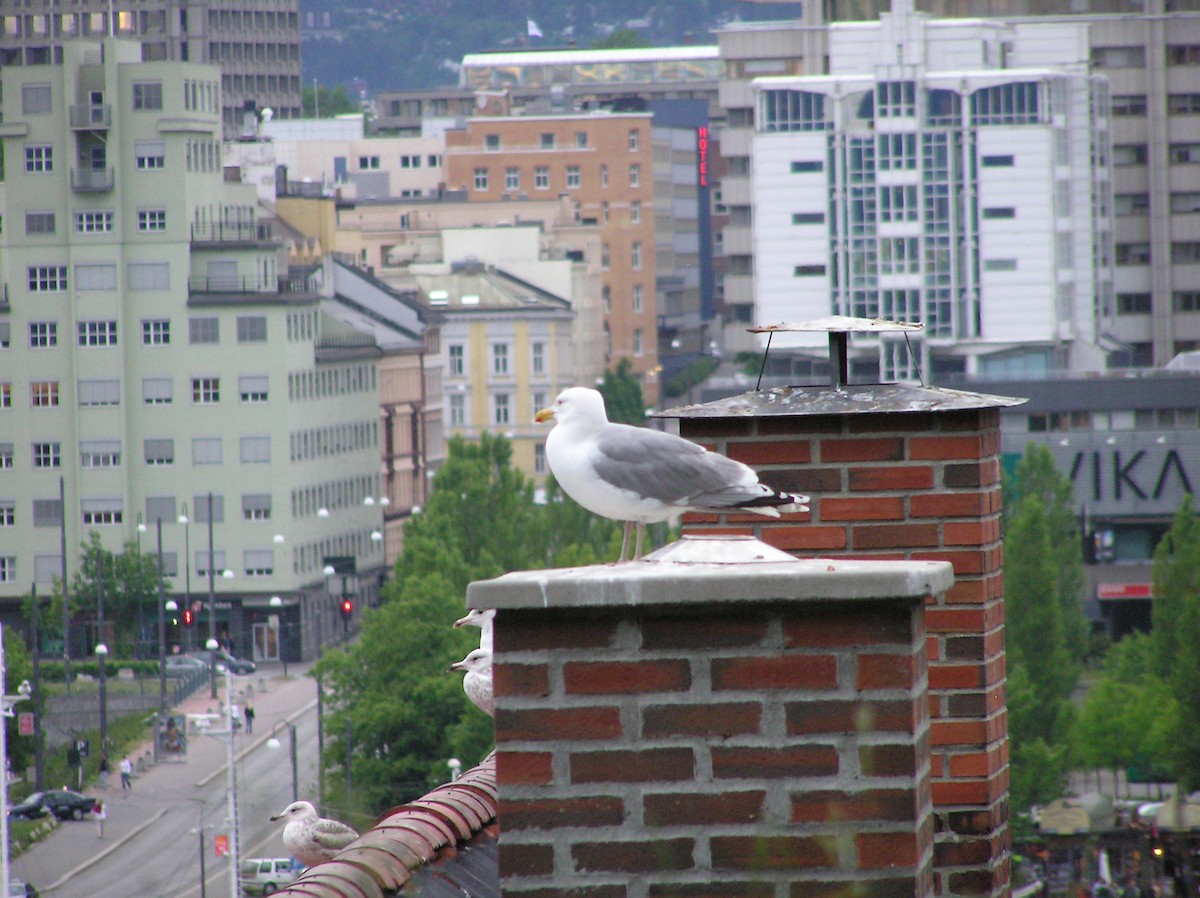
184	665
264	875
224	659
65	804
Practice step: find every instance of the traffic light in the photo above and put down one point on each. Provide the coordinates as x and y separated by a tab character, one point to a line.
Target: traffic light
189	617
347	609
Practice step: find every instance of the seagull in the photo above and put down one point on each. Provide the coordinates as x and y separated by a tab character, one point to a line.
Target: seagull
477	684
312	839
481	618
640	476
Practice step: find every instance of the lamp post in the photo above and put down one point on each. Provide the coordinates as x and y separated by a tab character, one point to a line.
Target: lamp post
274	744
212	618
277	604
101	654
162	627
231	761
141	528
187	563
7	702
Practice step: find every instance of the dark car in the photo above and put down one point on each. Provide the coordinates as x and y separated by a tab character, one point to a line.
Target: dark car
64	804
184	665
224	659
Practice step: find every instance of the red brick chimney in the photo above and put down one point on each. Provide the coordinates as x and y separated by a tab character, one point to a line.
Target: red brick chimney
719	720
902	472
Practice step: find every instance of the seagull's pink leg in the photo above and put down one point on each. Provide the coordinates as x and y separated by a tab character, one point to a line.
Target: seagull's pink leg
625	541
641	534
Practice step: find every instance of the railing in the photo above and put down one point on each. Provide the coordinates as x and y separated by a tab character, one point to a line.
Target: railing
288	284
89	116
346	341
219	232
87	180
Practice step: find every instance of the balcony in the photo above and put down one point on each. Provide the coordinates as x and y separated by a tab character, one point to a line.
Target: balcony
86	117
218	232
234	290
88	180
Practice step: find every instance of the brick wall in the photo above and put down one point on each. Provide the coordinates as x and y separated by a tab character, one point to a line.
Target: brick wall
745	739
909	485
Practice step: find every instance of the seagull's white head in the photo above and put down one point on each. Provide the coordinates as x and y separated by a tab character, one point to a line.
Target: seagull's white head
297	810
477	617
575	405
478	661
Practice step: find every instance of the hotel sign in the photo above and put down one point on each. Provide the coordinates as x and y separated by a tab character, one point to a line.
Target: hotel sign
702	155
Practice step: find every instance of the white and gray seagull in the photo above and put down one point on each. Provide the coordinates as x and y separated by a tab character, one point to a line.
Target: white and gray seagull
482	618
477	684
310	838
641	476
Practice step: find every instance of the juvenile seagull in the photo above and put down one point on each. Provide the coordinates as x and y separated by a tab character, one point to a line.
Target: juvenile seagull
312	839
483	619
477	684
640	476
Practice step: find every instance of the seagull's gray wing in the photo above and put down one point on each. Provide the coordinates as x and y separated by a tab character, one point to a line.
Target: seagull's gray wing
666	468
332	835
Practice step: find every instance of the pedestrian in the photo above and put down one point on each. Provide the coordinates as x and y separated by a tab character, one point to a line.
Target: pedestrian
249	718
99	814
105	769
126	773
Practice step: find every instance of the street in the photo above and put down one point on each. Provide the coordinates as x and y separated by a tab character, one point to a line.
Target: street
151	846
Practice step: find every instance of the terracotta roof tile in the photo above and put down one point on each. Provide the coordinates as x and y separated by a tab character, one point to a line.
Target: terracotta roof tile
422	838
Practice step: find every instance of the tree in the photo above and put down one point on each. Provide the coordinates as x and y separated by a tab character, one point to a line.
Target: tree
328	101
130	586
621	39
1176	585
622	394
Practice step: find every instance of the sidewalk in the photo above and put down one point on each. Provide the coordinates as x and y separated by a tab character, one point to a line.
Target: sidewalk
167	786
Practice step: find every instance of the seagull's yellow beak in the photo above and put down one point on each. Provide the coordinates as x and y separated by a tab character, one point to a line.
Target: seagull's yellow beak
544	415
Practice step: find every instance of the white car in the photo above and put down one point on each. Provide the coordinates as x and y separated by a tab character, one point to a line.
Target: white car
264	875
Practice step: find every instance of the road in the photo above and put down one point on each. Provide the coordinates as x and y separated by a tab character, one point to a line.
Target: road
151	847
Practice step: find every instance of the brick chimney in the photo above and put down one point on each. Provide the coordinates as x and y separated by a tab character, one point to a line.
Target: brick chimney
901	472
719	720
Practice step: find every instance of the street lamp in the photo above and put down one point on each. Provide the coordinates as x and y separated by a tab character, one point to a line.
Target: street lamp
187	563
141	528
162	626
274	744
281	634
7	702
101	654
212	619
231	770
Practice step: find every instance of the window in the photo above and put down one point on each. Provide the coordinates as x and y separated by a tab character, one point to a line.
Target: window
97	333
537	360
150	154
1131	204
202	558
203	330
997	161
253	387
1185	253
43	334
256	507
368	163
807	165
410	161
99	392
1135	154
255	450
147	95
994	212
541	178
603	175
1182	54
95	276
1184	202
1133	253
152	219
606	298
1000	265
157	390
43	393
252	329
47	278
47	513
39	223
8	569
512	179
148	275
500	410
159	452
258	562
546	141
1185	301
8	513
160	508
793	110
539	458
481	179
100	453
491	142
639	298
500	358
1120	57
206	390
605	256
6	455
638	347
101	511
156	332
635	175
1018	103
458	410
5	394
1181	104
47	455
206	451
1133	303
808	270
581	140
803	218
456	359
635	255
94	222
634	139
573	177
39	159
35	99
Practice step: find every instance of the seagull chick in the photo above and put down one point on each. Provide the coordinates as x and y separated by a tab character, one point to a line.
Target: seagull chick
312	839
640	476
477	684
481	618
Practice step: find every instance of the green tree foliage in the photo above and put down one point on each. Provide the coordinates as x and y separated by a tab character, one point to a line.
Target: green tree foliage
17	667
622	394
130	586
621	39
328	101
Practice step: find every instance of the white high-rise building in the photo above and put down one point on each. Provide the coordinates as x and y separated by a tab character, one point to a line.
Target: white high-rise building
953	172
